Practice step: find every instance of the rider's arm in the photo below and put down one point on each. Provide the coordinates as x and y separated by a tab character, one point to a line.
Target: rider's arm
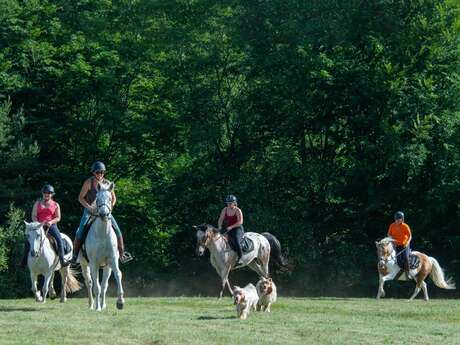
409	235
81	197
221	218
114	199
57	215
239	216
34	212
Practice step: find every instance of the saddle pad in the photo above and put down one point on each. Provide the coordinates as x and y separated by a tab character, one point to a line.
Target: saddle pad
65	245
414	261
247	245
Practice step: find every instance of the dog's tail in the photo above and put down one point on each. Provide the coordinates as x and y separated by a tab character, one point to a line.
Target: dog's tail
275	252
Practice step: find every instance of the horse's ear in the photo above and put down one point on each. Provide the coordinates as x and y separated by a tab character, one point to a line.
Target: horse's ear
194	227
25	222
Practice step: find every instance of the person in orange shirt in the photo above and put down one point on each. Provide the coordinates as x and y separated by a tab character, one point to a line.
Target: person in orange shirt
402	235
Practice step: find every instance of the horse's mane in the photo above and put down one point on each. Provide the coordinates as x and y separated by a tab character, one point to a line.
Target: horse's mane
33	225
387	239
208	226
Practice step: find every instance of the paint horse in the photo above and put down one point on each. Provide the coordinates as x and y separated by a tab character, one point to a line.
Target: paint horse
388	269
223	257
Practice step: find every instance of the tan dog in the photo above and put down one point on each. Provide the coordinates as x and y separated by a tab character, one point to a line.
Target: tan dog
266	289
245	299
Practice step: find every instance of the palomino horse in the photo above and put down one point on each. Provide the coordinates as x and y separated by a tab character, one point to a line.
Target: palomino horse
388	269
42	260
223	258
102	251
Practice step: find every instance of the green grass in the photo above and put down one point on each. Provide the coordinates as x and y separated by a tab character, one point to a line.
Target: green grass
202	321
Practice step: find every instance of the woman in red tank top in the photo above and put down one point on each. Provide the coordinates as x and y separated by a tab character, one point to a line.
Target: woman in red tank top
48	212
231	219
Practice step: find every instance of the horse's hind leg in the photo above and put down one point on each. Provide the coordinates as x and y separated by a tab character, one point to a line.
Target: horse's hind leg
425	291
258	269
64	271
105	284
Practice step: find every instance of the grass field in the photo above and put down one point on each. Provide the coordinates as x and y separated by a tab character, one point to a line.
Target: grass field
202	321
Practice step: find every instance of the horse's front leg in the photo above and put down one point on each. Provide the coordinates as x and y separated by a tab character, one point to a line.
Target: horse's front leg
96	286
64	271
118	277
381	291
225	271
46	284
89	284
105	284
36	292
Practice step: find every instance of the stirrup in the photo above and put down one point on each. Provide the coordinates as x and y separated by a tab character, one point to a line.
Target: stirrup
126	257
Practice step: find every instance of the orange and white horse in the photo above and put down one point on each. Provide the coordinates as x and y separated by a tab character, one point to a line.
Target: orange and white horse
388	269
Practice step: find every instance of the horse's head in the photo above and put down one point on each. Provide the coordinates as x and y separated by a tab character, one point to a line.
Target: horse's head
36	236
104	201
204	234
385	250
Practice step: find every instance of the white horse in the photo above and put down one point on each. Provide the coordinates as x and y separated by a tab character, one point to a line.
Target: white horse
388	269
42	260
223	257
102	251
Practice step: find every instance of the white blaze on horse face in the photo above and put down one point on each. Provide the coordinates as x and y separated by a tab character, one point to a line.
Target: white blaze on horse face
200	242
34	236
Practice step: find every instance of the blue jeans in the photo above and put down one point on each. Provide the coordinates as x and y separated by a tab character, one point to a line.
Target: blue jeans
84	219
54	231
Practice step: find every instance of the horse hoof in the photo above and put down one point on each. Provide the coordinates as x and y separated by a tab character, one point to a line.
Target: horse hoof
120	305
63	300
52	297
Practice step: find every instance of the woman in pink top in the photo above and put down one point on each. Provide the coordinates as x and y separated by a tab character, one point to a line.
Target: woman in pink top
231	218
47	212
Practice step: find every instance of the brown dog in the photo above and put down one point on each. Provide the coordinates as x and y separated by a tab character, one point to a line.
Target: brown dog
266	289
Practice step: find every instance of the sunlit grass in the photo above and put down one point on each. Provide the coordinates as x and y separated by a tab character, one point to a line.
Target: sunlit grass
202	321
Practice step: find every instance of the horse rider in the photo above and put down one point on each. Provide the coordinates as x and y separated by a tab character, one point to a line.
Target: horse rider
47	212
402	235
231	218
87	199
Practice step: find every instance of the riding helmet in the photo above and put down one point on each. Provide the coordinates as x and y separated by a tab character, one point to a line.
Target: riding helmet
399	215
47	188
230	198
97	166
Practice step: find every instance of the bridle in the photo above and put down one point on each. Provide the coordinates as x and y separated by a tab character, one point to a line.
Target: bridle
42	239
388	258
104	202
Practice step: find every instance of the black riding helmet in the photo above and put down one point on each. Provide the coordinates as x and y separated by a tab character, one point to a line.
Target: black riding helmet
47	188
399	215
230	198
97	166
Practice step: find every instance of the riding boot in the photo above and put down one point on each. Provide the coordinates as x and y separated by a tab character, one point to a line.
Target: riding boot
76	249
25	255
124	256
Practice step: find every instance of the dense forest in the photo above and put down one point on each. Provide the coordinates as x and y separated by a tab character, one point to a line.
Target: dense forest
323	117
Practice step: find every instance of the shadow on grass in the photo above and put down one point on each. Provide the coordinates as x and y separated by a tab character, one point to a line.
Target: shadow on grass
10	309
216	318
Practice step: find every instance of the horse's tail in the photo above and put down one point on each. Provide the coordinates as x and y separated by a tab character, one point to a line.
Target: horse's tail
437	274
72	284
275	252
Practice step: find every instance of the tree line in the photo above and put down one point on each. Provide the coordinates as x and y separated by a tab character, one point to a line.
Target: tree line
324	117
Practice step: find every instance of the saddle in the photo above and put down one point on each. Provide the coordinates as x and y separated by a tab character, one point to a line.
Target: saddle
65	245
247	245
